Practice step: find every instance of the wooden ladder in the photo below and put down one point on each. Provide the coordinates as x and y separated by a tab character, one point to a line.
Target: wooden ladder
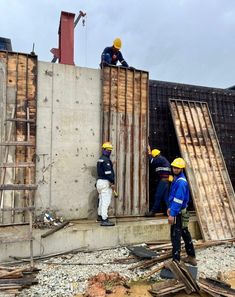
28	188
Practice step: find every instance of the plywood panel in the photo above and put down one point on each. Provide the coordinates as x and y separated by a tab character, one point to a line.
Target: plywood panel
125	124
211	187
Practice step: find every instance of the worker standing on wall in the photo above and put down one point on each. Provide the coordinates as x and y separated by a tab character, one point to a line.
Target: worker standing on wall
111	55
161	169
178	216
105	184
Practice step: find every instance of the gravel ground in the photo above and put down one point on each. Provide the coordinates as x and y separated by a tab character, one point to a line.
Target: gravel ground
69	280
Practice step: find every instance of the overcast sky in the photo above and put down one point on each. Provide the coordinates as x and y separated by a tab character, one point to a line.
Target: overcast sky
185	41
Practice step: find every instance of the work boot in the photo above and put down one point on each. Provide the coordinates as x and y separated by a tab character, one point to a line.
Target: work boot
190	260
149	214
99	218
106	223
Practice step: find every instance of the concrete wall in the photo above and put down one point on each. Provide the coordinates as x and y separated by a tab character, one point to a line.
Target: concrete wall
68	139
88	235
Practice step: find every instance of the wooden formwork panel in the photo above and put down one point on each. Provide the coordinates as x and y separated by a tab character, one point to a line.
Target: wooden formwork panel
19	103
125	124
209	181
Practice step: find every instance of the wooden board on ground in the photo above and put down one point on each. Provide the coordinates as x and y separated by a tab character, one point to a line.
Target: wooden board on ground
216	288
166	288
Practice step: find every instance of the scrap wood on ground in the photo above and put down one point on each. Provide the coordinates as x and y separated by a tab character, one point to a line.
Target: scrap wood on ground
163	253
184	282
13	279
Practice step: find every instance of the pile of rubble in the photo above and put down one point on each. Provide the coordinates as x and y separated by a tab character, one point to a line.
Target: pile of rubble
47	219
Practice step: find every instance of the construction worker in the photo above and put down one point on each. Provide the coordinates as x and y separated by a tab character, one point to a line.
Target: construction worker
178	216
105	184
161	169
111	55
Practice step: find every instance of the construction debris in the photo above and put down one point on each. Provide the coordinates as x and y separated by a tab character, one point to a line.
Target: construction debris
183	281
166	288
57	228
215	287
13	280
182	274
142	252
59	277
47	219
104	283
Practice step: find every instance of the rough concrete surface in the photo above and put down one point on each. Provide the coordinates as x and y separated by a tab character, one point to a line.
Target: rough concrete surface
68	139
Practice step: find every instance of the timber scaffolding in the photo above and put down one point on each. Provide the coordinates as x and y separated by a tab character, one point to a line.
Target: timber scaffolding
18	88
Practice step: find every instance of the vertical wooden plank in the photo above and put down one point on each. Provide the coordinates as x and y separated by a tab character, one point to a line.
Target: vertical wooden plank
129	131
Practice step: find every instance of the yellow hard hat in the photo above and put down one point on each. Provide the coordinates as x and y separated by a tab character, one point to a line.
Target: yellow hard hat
117	43
107	146
155	153
179	163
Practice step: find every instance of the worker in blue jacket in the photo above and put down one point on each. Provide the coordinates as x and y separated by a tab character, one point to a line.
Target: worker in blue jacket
178	216
111	55
161	169
105	183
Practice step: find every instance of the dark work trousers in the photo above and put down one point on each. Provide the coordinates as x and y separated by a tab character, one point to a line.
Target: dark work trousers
161	194
176	232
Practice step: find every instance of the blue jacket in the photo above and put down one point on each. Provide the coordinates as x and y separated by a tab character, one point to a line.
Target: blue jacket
179	195
161	166
111	57
105	169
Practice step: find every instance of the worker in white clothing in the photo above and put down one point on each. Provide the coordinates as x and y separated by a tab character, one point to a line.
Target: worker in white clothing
105	184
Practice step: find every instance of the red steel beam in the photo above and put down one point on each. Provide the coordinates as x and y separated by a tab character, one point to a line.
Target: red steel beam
66	38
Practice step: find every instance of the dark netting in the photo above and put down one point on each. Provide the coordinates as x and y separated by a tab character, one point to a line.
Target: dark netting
221	103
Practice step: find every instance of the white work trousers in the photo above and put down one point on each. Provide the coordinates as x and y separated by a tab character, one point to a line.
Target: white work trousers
105	194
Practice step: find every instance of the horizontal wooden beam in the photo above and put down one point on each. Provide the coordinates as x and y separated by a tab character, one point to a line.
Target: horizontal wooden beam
21	120
17	143
18	187
17	165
